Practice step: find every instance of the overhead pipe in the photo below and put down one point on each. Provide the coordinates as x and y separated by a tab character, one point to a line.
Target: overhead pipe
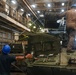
31	10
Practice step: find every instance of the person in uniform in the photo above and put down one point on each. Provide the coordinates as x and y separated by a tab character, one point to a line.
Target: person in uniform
70	25
6	60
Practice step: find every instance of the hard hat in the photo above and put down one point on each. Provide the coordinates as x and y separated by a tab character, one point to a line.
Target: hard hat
73	5
6	49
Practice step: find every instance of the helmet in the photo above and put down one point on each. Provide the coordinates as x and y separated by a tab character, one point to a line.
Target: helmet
6	49
73	5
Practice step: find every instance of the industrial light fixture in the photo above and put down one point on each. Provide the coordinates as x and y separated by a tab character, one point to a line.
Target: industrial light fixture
63	4
62	10
41	15
49	5
38	11
34	27
13	1
40	27
42	30
50	10
28	14
29	24
34	6
22	10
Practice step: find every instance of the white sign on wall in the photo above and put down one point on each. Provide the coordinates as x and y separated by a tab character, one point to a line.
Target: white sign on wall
16	36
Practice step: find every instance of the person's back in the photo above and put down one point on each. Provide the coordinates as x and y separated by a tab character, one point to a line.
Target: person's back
6	60
5	63
70	26
71	18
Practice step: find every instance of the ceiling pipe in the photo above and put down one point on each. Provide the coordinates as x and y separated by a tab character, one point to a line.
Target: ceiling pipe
30	8
27	4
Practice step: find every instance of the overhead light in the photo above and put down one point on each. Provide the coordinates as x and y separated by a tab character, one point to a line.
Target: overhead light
34	27
42	30
38	11
49	5
63	4
22	10
29	15
34	6
62	10
41	15
13	1
50	10
29	24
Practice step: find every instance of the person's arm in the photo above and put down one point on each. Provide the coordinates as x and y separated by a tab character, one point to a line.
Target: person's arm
28	56
20	57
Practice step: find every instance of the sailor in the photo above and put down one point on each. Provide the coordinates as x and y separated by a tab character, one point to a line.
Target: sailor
70	25
6	60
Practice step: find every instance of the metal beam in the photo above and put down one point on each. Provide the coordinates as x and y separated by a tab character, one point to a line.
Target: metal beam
28	5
